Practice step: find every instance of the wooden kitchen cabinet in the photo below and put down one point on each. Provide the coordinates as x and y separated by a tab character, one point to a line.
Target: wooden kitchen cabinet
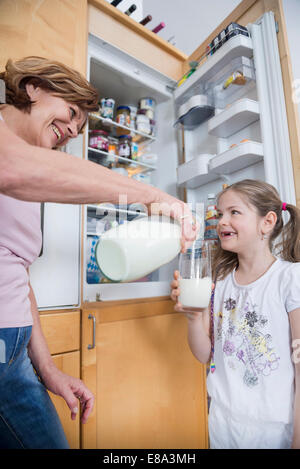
69	363
55	29
150	390
62	332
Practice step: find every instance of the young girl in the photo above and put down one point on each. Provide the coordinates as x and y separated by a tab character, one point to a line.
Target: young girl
254	378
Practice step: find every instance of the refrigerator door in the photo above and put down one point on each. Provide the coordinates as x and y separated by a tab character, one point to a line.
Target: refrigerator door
273	118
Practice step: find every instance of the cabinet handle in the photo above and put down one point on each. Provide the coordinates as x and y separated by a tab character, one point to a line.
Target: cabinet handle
91	316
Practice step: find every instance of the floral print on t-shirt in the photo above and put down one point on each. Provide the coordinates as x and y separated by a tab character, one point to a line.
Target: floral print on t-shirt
246	343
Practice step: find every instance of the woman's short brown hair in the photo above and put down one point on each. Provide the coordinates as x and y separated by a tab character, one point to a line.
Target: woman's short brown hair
52	76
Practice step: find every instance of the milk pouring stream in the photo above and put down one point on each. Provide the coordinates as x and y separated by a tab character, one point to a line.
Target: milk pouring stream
137	248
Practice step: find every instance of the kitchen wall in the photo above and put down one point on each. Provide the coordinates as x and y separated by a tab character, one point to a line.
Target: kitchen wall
125	4
292	14
189	21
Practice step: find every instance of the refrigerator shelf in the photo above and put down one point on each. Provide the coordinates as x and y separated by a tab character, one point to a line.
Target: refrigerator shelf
239	115
236	158
138	137
195	172
128	161
235	47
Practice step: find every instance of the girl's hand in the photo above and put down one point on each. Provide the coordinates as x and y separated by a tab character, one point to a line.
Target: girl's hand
175	292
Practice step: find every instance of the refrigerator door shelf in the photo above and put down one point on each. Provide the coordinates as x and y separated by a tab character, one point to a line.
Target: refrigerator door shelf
235	118
235	47
239	157
235	81
195	172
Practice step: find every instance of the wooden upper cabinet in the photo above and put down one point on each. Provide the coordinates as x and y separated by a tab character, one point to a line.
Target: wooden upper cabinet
55	29
113	26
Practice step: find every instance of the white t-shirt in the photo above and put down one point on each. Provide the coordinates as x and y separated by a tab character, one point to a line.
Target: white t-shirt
254	375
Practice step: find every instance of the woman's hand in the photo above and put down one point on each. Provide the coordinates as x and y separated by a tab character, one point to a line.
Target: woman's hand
169	206
71	390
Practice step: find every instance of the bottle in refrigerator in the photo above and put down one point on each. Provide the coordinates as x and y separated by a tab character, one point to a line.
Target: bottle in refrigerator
211	218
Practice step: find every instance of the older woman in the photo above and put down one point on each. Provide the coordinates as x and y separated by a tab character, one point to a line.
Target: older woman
46	104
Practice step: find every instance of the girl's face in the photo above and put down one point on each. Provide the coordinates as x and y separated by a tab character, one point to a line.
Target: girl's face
239	226
53	121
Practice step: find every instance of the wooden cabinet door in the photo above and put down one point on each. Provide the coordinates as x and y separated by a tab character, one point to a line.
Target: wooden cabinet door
68	363
62	333
55	29
150	390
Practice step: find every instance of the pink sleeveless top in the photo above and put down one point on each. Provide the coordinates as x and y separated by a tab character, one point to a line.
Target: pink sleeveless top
20	245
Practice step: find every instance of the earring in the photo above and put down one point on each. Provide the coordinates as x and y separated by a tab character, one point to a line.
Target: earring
263	236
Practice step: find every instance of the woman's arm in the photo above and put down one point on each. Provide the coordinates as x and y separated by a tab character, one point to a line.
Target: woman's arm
37	174
68	387
295	331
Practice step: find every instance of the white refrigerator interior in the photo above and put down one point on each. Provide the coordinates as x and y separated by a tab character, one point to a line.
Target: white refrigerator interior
233	130
121	77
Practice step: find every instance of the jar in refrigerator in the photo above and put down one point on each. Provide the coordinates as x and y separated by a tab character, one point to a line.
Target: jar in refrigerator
143	122
150	113
123	115
134	150
112	145
107	108
98	139
133	111
124	146
147	103
152	127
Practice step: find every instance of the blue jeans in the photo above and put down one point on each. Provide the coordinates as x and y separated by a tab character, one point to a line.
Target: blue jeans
28	418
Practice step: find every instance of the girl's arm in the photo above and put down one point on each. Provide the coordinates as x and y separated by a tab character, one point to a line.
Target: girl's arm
68	387
198	325
295	330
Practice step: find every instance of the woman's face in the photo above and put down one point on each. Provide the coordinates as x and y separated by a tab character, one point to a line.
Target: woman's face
53	121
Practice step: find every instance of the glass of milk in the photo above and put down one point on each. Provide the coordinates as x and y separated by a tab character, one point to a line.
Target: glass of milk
195	280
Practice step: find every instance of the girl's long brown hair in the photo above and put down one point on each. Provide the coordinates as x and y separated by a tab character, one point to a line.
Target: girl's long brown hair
284	240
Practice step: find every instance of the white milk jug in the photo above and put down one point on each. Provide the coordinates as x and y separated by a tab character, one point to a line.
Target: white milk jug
137	248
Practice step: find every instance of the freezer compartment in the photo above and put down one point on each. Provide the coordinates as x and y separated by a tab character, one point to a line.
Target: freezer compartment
195	111
234	118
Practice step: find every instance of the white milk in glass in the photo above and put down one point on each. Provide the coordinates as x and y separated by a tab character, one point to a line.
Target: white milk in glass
195	292
137	248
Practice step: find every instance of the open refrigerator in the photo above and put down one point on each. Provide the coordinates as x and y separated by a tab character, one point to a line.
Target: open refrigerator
230	130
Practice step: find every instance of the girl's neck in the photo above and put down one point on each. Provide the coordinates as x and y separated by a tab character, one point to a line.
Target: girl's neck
251	267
